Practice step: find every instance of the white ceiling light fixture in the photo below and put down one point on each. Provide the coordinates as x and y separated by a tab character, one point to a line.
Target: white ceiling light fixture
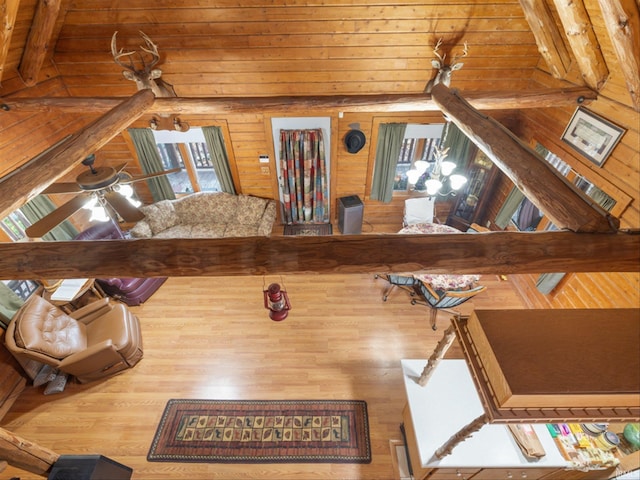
441	180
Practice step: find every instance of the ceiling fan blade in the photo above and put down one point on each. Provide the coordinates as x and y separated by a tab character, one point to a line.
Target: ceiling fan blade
120	167
151	175
59	215
63	187
121	205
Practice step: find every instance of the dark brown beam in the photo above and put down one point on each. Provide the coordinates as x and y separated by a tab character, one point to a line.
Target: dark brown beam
348	103
549	39
565	205
30	179
622	19
39	40
495	252
8	14
583	41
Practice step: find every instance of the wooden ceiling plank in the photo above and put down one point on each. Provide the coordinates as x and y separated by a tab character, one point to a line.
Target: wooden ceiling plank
39	40
622	19
485	253
549	39
534	98
8	14
583	41
30	179
562	202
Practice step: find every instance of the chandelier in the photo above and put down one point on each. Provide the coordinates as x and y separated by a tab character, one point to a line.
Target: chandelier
440	179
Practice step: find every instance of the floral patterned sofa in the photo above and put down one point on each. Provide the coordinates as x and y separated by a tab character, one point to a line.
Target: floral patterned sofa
205	214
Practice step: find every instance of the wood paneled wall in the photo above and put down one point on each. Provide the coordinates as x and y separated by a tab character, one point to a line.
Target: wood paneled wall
296	48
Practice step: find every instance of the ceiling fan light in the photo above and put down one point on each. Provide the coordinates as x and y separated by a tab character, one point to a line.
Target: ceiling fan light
99	214
126	190
91	203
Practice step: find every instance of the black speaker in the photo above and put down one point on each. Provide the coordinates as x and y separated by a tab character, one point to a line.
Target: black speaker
350	212
88	467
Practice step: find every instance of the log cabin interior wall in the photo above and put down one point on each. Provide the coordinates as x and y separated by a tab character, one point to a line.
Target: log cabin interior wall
325	48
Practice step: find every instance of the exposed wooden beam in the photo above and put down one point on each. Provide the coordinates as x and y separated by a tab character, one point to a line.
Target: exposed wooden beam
8	13
495	252
39	40
535	98
30	179
26	455
622	18
549	39
584	43
560	200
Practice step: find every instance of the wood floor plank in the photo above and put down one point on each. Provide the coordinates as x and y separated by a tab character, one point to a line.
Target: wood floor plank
211	338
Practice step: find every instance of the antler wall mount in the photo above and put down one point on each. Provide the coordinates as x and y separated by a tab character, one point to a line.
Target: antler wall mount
444	71
143	73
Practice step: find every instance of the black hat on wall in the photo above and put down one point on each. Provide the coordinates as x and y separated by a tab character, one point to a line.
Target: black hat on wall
354	140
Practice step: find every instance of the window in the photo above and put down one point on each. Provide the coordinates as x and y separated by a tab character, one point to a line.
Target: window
187	150
22	288
419	144
527	216
14	225
601	198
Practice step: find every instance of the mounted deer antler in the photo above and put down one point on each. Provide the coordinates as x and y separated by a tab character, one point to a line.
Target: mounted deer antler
147	77
445	71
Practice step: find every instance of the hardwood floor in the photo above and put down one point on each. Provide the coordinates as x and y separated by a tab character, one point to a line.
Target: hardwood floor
212	338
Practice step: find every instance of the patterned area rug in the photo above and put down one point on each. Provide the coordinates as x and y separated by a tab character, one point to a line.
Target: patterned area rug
309	230
263	431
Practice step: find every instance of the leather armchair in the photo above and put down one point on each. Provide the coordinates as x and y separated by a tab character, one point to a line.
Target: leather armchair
132	291
98	340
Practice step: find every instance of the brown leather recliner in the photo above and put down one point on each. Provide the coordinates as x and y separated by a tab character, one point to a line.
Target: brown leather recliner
93	342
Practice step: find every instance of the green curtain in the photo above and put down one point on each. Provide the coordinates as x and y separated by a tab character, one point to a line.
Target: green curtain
151	162
390	139
10	303
40	207
509	207
458	143
215	145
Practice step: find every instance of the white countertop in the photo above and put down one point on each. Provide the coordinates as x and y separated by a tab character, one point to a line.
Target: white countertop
450	401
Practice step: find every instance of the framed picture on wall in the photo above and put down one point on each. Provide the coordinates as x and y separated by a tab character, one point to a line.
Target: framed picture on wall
592	136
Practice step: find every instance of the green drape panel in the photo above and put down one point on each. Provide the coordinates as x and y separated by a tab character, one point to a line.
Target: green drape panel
40	207
458	143
9	304
151	162
509	208
215	145
548	281
390	138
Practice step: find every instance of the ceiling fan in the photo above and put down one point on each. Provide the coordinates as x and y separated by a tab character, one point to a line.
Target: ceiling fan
106	191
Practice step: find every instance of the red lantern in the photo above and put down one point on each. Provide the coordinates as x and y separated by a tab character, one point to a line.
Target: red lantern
277	302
